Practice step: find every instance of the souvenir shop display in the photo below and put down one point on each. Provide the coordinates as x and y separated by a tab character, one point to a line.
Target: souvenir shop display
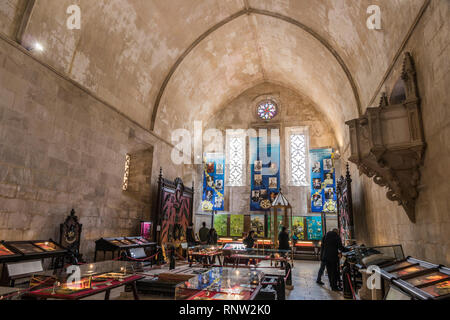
323	186
213	182
265	173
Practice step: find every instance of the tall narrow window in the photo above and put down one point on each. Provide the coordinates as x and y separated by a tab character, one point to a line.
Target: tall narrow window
297	145
236	159
126	175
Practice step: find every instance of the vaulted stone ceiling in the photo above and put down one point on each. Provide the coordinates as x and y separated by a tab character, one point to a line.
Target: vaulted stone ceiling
165	62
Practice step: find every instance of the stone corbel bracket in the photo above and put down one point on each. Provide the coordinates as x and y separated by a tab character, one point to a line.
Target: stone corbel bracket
387	142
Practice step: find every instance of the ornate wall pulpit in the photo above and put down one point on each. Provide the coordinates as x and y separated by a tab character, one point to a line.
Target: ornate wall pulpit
387	143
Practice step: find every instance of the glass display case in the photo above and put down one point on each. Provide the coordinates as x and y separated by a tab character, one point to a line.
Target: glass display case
8	293
379	255
78	282
122	244
221	284
205	254
420	279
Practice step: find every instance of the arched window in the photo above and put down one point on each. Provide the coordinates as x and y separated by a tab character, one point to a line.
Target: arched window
297	146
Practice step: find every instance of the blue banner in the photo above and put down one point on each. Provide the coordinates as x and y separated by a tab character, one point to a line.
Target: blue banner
265	173
213	182
323	182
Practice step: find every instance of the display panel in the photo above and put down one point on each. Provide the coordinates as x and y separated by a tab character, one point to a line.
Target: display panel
4	251
298	227
135	241
438	290
428	278
116	243
398	266
126	242
408	271
221	224
314	228
143	240
236	225
47	246
257	224
26	248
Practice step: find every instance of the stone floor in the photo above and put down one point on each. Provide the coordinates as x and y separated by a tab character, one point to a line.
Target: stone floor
304	275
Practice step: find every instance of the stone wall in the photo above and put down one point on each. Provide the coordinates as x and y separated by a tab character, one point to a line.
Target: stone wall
381	221
10	14
295	110
62	148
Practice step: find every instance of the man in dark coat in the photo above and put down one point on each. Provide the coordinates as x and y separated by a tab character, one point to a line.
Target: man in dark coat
250	240
323	265
331	245
190	236
283	243
283	240
203	233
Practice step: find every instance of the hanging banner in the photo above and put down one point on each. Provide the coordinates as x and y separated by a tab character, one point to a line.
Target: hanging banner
265	173
323	182
213	182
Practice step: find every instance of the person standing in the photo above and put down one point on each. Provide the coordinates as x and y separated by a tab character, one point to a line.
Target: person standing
283	240
250	240
283	243
331	245
212	237
322	264
190	237
203	234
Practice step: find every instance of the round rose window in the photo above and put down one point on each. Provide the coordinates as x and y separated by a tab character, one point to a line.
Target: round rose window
267	110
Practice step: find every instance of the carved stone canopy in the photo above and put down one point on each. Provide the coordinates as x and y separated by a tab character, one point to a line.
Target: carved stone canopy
387	143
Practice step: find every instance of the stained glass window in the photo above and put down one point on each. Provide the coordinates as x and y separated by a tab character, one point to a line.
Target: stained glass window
236	159
267	110
298	169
